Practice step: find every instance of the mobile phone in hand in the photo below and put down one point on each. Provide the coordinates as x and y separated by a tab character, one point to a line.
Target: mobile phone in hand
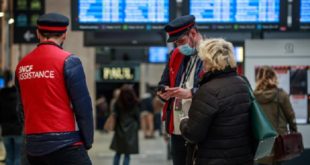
161	88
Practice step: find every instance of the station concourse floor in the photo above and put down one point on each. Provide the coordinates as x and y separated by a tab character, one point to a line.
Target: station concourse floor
152	151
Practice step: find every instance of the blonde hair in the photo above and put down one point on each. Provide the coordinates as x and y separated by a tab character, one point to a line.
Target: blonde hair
217	54
266	78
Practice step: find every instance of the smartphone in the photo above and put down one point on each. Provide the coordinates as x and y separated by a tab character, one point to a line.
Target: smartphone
161	88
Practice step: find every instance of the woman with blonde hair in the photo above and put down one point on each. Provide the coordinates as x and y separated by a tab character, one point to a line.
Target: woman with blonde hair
275	103
219	117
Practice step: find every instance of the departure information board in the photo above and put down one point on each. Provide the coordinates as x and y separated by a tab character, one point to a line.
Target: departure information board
236	14
122	14
235	11
304	11
123	11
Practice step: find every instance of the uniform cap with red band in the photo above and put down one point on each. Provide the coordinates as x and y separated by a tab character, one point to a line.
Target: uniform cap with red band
52	23
179	26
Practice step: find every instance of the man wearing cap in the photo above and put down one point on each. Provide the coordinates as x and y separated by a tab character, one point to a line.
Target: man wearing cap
180	80
54	98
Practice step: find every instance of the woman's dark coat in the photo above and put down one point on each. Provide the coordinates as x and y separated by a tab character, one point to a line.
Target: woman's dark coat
219	120
125	139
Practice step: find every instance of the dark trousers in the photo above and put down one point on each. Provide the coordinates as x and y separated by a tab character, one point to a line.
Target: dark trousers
157	121
117	159
71	155
13	146
178	150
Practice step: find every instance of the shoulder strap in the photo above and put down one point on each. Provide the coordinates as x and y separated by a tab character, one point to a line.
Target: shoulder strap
249	87
278	107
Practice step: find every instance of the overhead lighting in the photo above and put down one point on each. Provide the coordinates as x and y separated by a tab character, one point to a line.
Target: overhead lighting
1	14
11	21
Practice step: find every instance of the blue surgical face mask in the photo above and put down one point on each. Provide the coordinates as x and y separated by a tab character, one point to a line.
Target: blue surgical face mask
186	50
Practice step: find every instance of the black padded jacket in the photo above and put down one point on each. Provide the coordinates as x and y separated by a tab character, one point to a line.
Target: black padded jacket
219	120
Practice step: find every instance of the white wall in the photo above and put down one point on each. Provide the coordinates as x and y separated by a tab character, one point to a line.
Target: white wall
150	74
275	52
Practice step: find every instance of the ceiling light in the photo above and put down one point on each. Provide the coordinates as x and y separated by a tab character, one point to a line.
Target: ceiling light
11	21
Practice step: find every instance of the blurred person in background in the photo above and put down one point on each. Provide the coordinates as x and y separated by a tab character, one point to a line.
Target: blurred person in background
102	112
147	116
157	106
219	117
10	123
115	96
125	140
275	102
2	150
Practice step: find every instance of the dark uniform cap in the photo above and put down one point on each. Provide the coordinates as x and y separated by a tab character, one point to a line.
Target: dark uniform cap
52	22
179	26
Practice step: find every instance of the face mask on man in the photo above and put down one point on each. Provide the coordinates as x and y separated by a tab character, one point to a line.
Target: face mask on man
187	50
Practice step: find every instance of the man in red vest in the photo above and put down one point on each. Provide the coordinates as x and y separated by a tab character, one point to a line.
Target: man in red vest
180	80
54	98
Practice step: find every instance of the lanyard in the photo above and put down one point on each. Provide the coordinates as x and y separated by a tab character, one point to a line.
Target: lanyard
188	70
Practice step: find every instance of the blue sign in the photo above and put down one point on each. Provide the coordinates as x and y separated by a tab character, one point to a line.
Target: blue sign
158	54
1	82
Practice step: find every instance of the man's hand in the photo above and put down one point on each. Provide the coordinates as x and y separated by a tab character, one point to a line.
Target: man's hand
163	95
179	92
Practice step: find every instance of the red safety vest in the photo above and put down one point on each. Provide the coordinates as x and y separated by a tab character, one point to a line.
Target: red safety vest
46	104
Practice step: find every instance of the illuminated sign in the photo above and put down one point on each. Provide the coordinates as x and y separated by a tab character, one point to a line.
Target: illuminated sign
237	14
123	11
305	11
118	73
304	14
122	15
1	82
26	13
235	11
